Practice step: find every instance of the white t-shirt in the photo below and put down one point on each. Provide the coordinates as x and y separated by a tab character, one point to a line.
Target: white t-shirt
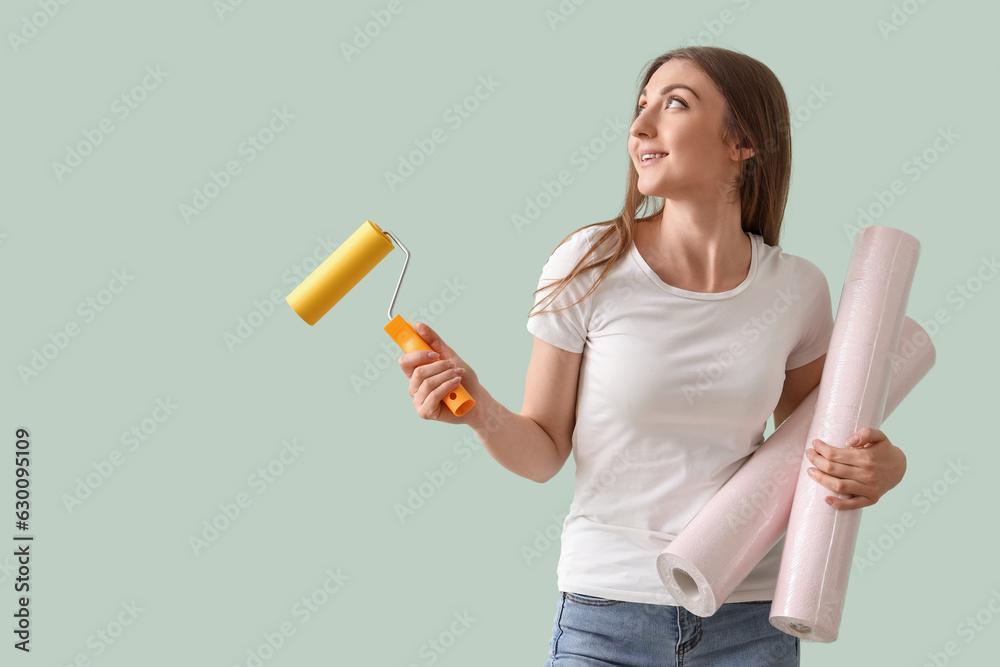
675	390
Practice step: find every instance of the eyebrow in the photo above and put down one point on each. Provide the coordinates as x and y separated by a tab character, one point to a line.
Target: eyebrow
667	89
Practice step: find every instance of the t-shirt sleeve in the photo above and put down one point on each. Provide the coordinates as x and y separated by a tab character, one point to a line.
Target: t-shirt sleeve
817	322
566	329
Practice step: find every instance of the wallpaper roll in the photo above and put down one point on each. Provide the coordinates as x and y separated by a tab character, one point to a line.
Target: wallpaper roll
716	551
816	559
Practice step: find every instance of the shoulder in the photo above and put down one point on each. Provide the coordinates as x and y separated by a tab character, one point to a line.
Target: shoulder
790	268
585	237
577	244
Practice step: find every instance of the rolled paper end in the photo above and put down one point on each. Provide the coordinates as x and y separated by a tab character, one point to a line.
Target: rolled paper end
686	584
804	631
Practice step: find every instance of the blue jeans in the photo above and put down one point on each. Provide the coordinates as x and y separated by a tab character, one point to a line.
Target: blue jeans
595	632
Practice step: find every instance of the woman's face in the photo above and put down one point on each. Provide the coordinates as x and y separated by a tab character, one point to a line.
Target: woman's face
685	123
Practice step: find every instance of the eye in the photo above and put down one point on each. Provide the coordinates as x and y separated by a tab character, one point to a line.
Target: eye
640	107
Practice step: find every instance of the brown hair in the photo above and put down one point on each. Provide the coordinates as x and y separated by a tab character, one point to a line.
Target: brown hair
756	111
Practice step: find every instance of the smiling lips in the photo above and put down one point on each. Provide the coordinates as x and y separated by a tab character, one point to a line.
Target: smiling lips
649	158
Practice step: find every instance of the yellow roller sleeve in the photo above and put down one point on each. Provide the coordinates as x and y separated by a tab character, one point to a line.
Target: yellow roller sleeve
340	272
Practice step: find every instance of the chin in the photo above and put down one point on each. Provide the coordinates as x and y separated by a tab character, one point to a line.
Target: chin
652	191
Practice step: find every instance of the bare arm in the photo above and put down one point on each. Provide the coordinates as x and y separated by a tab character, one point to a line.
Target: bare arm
536	443
798	383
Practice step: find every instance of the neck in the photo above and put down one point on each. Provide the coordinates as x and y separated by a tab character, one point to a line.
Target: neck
699	245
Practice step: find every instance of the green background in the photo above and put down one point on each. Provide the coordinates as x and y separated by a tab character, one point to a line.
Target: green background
363	448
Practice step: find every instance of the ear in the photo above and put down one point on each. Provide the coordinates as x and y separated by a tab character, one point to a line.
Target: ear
741	151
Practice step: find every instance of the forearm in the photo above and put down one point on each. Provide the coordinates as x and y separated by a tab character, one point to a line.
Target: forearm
517	442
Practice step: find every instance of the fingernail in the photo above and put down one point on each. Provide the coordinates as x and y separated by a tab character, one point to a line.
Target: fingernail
811	471
853	440
433	355
829	500
810	451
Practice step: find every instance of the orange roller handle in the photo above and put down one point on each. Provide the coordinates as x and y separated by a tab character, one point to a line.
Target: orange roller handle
458	400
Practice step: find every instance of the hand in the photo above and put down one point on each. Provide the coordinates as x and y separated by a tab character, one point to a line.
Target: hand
865	470
431	379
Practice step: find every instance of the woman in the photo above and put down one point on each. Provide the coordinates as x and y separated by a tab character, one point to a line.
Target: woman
659	374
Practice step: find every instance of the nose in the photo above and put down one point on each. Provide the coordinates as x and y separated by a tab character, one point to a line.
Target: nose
641	126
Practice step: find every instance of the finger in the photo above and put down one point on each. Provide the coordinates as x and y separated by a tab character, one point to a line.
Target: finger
411	360
861	459
855	503
843	455
864	437
427	372
431	338
843	470
838	484
433	375
435	389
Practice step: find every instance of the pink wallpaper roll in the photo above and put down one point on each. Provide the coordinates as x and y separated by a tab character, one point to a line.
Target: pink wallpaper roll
816	560
716	551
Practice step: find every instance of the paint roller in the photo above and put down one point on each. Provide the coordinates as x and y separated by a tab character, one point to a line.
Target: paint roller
341	271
